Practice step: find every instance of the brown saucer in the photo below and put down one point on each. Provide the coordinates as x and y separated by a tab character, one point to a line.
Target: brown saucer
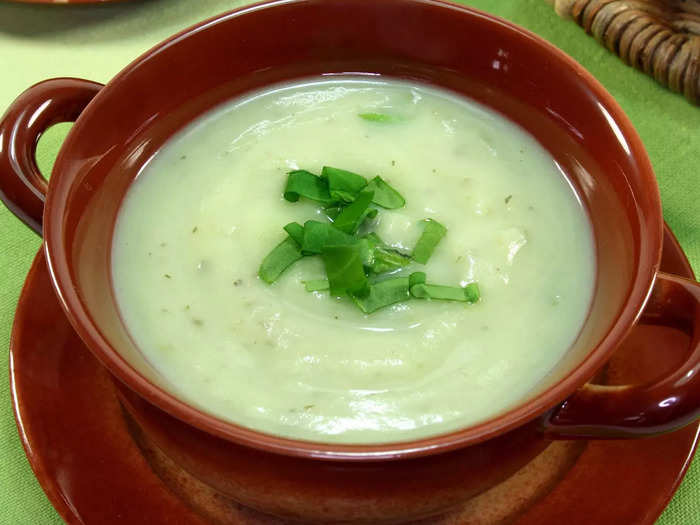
96	468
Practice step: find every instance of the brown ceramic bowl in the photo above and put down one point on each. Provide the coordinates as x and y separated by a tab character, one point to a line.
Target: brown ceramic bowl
118	127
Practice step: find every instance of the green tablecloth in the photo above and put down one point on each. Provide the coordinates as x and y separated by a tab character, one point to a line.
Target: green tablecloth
95	42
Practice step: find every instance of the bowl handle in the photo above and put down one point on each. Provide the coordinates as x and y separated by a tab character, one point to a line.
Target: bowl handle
22	186
629	411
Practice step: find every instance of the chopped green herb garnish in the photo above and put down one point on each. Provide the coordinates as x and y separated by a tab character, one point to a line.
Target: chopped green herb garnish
371	241
302	183
279	259
379	258
468	294
387	260
383	293
316	285
317	235
432	233
356	265
333	211
344	269
352	216
472	292
367	250
296	232
343	185
373	238
416	278
384	195
379	117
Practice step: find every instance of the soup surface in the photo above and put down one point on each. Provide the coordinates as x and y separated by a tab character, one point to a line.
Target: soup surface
206	210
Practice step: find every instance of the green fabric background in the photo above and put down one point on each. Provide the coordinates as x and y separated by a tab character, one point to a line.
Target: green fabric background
95	42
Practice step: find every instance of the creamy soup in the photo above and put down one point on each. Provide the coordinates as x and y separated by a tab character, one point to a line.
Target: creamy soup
208	207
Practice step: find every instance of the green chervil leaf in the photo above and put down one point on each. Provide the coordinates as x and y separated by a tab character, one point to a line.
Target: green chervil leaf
429	239
384	195
468	294
302	183
279	259
382	294
344	269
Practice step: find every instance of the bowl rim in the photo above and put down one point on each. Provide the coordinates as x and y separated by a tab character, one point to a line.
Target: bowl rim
525	412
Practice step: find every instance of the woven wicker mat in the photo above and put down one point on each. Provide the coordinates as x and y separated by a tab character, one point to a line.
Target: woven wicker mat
659	37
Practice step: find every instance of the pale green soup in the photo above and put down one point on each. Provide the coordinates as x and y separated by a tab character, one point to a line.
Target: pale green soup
208	207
